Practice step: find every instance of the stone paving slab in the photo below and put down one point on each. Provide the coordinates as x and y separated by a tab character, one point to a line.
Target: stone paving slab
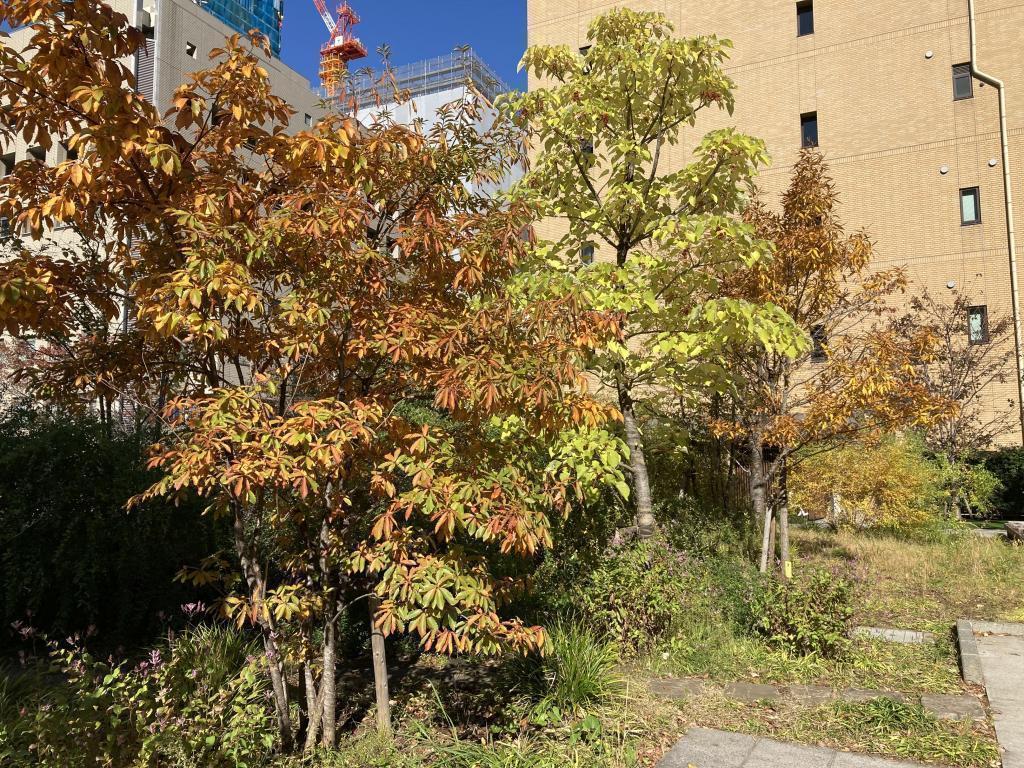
751	693
865	694
946	707
678	689
1002	662
810	695
707	748
998	628
905	636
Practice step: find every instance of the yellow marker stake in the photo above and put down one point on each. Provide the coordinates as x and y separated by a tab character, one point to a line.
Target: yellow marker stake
789	569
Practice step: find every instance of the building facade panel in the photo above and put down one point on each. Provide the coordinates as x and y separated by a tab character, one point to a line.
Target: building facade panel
880	78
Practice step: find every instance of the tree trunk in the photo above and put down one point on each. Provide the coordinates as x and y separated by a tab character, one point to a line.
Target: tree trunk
787	566
313	711
380	670
328	686
645	524
773	528
275	663
757	496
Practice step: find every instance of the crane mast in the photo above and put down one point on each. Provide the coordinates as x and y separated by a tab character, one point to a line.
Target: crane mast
342	47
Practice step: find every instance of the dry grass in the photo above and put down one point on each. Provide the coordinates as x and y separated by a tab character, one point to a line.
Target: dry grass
925	586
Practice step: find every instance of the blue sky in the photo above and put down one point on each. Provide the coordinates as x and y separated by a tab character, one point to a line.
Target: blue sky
415	30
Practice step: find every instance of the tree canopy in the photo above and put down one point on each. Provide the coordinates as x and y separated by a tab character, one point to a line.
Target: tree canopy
601	125
340	342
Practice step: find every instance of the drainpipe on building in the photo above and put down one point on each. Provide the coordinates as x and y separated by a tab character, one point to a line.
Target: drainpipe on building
1004	142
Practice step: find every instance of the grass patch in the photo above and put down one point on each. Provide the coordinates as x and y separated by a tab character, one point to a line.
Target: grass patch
927	668
922	585
880	726
895	729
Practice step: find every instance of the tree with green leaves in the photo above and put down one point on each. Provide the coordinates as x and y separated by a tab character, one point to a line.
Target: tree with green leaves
346	346
601	125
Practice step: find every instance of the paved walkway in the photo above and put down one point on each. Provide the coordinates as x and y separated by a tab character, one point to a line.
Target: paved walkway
1001	648
705	748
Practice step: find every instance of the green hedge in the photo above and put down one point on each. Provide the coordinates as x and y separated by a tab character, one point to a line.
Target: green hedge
71	557
1008	466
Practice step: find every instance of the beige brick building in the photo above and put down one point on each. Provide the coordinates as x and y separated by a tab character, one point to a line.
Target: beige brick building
912	139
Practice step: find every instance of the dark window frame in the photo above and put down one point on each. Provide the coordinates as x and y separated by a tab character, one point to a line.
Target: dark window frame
807	119
962	73
979	309
805	18
587	253
976	193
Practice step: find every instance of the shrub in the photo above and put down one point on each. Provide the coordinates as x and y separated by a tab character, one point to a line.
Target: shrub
205	706
809	615
70	555
636	594
889	485
1008	467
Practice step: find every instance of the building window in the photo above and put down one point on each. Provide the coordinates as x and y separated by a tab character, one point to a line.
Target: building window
7	161
818	340
69	154
804	18
977	324
963	84
5	228
190	50
970	206
809	129
587	254
587	147
37	153
584	50
308	120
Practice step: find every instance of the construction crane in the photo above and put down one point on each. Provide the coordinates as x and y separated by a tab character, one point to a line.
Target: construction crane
342	47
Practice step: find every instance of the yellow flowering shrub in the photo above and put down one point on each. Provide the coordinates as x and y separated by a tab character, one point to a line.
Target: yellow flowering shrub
889	484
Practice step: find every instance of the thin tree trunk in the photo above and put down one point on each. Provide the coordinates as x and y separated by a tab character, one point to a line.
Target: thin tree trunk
787	567
772	531
313	713
757	495
328	686
380	670
766	532
275	662
645	524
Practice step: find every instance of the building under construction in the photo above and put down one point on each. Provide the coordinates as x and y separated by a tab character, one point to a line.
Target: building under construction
452	74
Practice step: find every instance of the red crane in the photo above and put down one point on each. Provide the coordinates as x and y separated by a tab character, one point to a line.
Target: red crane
342	47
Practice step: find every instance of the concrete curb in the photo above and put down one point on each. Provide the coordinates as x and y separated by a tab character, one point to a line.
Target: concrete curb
970	658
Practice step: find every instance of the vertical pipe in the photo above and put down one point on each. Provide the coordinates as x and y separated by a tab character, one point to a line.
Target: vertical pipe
1004	141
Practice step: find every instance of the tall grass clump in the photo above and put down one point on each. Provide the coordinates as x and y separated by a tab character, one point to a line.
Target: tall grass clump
575	673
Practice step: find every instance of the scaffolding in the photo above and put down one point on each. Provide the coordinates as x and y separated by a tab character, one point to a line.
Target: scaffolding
460	69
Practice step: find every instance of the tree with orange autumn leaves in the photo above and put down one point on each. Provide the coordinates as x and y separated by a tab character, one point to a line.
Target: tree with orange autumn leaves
863	374
342	345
